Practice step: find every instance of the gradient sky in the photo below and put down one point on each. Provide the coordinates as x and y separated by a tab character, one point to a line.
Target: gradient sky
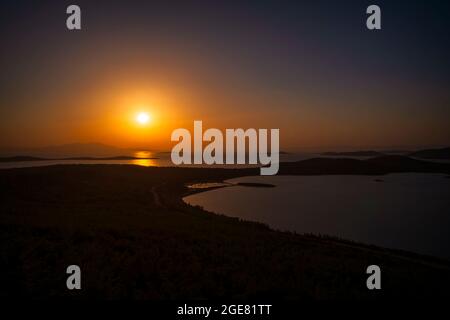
310	68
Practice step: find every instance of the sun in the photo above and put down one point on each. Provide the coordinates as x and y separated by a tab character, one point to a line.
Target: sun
143	118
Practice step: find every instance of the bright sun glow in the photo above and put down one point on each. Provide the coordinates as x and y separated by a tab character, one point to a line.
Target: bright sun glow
143	118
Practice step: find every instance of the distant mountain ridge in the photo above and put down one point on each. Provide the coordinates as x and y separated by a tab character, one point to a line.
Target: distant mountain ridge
438	153
442	153
68	151
374	166
28	158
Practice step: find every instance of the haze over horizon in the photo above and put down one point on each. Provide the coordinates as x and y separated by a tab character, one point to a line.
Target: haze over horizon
97	149
316	74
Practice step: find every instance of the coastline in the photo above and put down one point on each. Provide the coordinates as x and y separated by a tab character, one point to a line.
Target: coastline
94	214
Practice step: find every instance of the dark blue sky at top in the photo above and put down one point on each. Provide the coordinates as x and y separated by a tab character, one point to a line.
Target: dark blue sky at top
414	32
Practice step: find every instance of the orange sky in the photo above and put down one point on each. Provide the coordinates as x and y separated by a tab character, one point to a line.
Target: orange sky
106	113
325	86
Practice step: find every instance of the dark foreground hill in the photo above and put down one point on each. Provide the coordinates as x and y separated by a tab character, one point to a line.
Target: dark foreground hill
133	237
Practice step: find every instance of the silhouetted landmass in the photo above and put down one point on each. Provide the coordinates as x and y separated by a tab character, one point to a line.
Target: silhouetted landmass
396	151
69	150
367	153
255	184
29	158
372	166
20	158
133	237
443	153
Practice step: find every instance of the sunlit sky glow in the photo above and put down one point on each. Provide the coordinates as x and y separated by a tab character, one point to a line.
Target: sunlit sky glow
312	70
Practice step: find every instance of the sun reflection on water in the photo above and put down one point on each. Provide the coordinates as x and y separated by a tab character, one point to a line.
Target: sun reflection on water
145	161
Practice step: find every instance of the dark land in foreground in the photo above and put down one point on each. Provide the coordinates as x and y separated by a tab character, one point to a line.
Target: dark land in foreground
133	237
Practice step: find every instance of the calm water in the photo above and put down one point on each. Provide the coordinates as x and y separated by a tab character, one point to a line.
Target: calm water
159	159
403	211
